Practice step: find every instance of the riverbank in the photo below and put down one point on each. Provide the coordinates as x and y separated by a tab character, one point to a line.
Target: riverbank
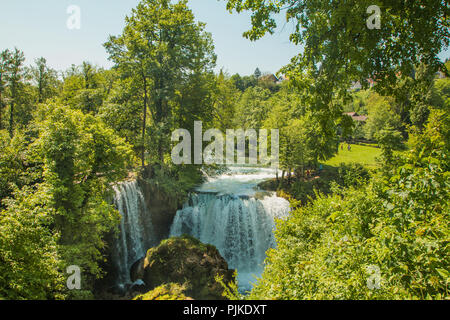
305	189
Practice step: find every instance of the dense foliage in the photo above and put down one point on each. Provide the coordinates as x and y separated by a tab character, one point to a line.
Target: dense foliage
66	137
30	265
389	238
57	178
386	240
169	291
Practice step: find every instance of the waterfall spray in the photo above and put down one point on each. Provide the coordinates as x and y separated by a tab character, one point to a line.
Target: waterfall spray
136	229
223	212
241	227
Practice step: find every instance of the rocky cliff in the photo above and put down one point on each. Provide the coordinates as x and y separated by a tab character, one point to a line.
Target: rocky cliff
187	262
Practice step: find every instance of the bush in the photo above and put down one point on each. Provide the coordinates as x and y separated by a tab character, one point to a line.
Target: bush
331	248
29	262
170	291
386	240
346	175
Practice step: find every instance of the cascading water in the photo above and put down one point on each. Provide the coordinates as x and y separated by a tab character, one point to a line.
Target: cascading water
225	212
136	229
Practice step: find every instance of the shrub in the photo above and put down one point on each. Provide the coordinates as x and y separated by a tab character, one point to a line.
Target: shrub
385	240
170	291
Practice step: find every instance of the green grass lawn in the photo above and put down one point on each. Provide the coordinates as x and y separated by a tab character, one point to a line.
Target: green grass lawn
364	155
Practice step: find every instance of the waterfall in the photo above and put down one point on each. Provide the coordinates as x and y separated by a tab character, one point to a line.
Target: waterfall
136	229
240	226
225	211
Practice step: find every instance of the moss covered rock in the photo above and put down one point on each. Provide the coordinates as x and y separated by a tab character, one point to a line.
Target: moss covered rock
190	263
170	291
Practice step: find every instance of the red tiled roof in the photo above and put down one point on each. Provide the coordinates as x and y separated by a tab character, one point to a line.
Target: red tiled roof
356	117
360	118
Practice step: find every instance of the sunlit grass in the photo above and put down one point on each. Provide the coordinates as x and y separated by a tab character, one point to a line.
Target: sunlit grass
362	154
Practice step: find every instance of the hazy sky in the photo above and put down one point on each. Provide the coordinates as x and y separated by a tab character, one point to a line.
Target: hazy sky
39	29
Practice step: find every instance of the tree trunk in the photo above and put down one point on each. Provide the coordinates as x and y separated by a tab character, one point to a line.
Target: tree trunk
280	184
11	120
40	91
144	122
1	100
1	108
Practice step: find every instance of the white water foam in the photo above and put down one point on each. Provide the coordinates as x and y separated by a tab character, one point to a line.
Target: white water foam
136	229
225	213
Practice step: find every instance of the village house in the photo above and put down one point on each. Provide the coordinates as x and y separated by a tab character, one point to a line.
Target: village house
356	117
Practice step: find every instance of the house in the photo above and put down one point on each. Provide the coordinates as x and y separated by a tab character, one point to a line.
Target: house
356	117
356	85
282	78
440	75
269	78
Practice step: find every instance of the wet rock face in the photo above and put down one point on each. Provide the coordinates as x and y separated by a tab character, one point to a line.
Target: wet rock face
162	209
137	270
187	262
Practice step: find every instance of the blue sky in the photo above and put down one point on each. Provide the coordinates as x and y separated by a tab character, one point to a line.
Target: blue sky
39	29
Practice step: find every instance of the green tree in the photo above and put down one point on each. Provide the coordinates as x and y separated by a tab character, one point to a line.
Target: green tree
81	158
89	73
5	66
15	78
160	46
309	143
45	80
13	160
249	81
340	48
381	115
226	96
389	140
279	117
122	112
73	83
252	108
372	242
303	142
257	74
86	87
441	94
30	265
238	82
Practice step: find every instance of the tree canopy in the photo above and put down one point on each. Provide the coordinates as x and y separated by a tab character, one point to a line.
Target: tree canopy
161	47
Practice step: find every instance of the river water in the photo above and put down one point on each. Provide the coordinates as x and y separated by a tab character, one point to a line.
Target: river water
226	211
